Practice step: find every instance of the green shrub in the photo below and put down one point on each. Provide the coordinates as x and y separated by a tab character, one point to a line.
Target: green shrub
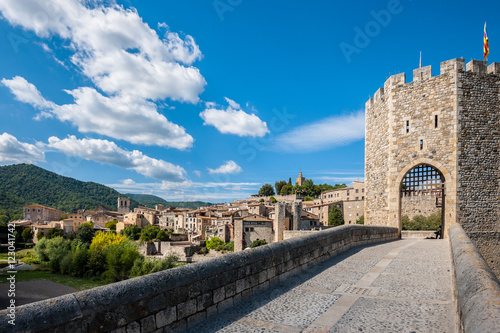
111	225
54	232
361	220
162	236
120	259
215	243
132	232
79	263
149	233
27	234
143	266
420	222
85	233
258	242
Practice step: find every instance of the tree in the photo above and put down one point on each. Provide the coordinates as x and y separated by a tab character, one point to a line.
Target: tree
149	233
361	220
261	200
64	216
85	233
215	243
286	190
111	225
132	232
27	234
4	219
308	198
273	200
54	232
335	217
290	181
266	190
162	236
39	235
279	185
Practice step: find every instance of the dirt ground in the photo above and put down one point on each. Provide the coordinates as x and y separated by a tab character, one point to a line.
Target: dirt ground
33	291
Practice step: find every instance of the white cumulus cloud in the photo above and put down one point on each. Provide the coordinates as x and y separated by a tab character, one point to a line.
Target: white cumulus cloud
321	135
123	118
228	167
13	151
131	64
233	120
107	152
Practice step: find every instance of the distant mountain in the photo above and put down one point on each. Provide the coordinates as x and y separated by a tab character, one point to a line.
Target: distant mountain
24	184
150	201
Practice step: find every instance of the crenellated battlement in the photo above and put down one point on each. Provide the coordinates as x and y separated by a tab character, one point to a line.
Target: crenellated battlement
456	65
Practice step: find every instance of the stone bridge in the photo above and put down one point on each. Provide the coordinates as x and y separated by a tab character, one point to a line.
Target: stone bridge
346	279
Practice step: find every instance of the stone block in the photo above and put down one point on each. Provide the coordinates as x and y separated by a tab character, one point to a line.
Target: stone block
186	309
204	301
134	327
196	318
166	317
148	324
219	294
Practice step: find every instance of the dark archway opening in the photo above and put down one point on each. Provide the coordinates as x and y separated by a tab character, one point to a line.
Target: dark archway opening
422	199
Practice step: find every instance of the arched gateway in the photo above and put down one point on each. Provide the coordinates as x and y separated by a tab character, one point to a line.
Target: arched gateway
422	198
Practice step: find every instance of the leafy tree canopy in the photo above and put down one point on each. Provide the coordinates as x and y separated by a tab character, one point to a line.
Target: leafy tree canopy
335	217
266	190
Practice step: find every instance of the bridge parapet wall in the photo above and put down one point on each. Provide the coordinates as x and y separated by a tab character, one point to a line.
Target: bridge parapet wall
476	288
178	298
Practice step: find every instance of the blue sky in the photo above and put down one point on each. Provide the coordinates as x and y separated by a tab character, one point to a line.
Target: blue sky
208	100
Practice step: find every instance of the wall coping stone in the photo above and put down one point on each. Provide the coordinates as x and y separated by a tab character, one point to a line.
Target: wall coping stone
94	309
477	290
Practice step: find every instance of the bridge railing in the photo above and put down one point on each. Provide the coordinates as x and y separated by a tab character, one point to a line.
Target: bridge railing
178	298
476	288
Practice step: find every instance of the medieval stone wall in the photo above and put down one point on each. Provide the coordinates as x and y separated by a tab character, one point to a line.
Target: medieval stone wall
478	159
451	123
414	205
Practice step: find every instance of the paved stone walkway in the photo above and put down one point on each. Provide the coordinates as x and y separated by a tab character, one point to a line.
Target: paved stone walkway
400	286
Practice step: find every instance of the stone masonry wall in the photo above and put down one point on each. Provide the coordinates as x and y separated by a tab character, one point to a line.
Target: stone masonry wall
176	299
464	146
414	205
479	159
414	104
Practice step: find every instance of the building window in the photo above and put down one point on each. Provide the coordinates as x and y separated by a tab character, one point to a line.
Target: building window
362	190
357	198
246	229
407	126
357	190
436	121
421	144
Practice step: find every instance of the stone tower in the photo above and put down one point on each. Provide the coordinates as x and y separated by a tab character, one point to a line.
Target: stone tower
123	205
300	179
287	217
447	125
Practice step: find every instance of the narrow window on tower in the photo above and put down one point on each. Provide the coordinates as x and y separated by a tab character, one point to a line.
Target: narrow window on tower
407	126
421	144
435	121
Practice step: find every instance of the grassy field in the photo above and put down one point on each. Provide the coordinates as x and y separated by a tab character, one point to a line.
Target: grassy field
75	282
20	255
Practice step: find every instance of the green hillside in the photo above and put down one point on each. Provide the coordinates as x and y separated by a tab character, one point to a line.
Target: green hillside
149	200
24	184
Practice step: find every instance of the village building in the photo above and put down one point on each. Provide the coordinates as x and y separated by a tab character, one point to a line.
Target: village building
41	214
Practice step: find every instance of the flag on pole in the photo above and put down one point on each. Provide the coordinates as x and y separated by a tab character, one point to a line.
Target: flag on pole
486	47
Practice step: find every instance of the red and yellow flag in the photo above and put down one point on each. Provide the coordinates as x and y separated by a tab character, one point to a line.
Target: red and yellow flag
486	47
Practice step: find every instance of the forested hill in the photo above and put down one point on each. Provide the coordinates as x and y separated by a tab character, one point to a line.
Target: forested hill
24	184
149	200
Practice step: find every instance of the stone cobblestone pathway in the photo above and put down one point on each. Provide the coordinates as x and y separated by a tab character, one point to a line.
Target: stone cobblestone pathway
400	286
